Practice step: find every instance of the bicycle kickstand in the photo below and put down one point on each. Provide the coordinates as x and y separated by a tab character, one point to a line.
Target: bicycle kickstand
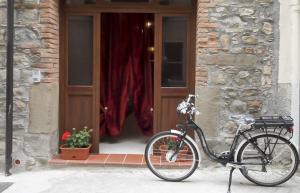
230	179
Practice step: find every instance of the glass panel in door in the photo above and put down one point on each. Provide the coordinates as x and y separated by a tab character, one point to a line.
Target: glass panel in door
174	60
80	50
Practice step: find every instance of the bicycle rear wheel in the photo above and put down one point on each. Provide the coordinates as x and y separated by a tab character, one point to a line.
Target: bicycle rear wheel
283	158
165	163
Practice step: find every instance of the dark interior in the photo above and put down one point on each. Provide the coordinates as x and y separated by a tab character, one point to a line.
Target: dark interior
127	41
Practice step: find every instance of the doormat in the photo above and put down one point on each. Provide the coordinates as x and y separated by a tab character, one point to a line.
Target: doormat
4	185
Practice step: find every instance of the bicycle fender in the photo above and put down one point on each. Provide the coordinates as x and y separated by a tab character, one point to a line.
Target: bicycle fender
191	140
255	135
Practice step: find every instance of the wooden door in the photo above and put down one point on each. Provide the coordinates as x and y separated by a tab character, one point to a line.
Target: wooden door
81	80
80	60
174	69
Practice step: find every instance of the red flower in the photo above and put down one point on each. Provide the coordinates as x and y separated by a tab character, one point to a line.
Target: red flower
66	136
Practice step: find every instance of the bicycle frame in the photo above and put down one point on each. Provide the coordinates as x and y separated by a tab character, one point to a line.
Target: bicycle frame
230	159
188	108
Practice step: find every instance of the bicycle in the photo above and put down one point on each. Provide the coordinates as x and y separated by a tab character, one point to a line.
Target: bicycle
261	149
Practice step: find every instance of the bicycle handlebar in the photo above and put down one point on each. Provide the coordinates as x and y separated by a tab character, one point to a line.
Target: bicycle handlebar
190	97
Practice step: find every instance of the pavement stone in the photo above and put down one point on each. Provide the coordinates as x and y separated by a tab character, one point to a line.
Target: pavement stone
134	180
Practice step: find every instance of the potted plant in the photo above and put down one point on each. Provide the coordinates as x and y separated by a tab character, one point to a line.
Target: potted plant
76	145
170	146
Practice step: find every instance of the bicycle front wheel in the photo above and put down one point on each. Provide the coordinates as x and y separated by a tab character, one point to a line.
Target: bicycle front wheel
168	163
281	153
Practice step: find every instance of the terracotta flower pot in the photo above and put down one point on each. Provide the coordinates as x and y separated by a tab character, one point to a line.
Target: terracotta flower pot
181	154
74	153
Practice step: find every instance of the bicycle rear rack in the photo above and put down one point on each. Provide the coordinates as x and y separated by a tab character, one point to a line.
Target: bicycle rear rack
280	125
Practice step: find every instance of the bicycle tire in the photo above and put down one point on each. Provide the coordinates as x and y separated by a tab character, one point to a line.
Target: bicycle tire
151	166
286	177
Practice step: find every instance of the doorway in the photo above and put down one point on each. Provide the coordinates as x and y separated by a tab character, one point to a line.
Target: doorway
85	87
126	84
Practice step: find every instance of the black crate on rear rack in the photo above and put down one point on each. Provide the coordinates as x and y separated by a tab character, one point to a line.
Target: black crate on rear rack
274	121
280	125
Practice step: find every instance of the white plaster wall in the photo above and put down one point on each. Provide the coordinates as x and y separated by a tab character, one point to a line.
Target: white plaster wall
285	40
289	55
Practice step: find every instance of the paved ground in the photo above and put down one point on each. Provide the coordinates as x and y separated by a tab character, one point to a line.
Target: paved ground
130	180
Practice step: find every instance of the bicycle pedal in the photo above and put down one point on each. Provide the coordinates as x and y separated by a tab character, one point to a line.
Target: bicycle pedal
224	154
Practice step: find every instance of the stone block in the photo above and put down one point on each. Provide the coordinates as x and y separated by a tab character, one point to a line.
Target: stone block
2	75
3	2
255	105
31	2
264	1
22	60
20	121
54	142
2	60
250	92
220	9
238	107
246	11
230	127
2	147
218	78
25	75
228	59
209	104
19	106
243	74
2	122
21	93
25	35
267	28
26	162
267	70
233	21
225	41
43	107
252	40
3	15
27	15
17	75
39	145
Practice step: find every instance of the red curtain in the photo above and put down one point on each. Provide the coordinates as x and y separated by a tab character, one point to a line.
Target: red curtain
126	71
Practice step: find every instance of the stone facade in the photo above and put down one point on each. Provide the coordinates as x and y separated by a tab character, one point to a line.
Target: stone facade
236	70
237	61
35	104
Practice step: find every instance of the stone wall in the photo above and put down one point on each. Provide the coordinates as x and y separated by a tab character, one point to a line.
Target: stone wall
236	70
237	61
35	104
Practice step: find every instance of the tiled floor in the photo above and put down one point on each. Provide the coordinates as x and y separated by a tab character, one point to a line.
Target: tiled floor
104	159
118	160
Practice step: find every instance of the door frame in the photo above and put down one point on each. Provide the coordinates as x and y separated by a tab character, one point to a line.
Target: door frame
161	92
65	89
95	10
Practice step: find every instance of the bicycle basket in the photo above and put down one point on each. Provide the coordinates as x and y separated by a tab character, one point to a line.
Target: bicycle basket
183	107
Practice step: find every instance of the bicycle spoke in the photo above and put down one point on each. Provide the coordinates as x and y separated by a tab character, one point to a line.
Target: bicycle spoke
275	171
167	161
